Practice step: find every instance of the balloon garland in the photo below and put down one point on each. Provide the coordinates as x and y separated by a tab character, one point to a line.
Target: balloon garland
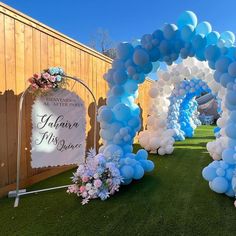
119	118
167	94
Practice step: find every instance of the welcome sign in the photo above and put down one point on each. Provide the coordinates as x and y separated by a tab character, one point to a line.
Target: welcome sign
59	129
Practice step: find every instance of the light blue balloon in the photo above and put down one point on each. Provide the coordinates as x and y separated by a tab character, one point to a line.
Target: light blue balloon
219	185
187	18
142	154
228	36
203	28
113	151
130	86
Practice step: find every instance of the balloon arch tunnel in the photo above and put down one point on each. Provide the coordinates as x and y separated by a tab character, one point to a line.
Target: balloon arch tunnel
209	64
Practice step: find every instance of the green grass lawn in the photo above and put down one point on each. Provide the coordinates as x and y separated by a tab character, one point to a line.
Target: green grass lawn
172	200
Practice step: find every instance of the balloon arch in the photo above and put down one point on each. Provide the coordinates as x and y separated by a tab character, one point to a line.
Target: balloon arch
119	118
172	113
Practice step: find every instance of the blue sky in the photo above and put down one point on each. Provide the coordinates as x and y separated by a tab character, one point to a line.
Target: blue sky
124	19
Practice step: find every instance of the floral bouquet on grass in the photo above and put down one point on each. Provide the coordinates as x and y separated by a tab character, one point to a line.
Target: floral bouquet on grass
96	178
47	80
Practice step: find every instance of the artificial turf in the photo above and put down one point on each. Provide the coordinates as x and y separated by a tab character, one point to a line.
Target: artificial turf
172	200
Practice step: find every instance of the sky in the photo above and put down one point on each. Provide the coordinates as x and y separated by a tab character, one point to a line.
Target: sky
125	20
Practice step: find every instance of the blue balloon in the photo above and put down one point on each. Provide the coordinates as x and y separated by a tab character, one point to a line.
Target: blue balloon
222	64
121	112
187	33
127	171
138	172
113	100
228	156
212	38
225	79
232	69
154	55
124	50
120	77
212	53
219	185
165	47
149	166
231	96
232	116
187	18
118	90
140	57
142	154
199	42
106	115
203	28
169	31
220	172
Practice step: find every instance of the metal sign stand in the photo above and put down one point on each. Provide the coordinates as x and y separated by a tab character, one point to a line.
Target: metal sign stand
20	192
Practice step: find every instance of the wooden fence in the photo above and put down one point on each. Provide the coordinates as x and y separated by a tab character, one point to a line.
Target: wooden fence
26	47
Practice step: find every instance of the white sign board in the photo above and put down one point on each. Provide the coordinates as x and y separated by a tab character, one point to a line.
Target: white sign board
58	132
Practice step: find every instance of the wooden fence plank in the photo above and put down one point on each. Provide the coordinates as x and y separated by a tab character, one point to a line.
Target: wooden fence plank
4	180
11	96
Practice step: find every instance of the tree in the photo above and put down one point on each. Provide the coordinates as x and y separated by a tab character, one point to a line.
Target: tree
102	42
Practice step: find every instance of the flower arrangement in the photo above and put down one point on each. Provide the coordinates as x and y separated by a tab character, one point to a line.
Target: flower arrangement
47	80
96	178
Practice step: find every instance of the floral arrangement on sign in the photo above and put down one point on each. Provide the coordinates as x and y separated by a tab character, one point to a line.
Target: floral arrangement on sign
96	178
48	79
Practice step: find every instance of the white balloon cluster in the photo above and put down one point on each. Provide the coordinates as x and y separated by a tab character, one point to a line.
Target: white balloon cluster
157	137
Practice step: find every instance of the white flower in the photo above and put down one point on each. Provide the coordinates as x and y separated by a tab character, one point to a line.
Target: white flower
96	176
88	186
85	201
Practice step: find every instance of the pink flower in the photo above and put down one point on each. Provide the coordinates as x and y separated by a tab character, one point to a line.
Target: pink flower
34	86
46	75
52	78
85	179
97	183
82	188
37	76
84	194
72	189
31	80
